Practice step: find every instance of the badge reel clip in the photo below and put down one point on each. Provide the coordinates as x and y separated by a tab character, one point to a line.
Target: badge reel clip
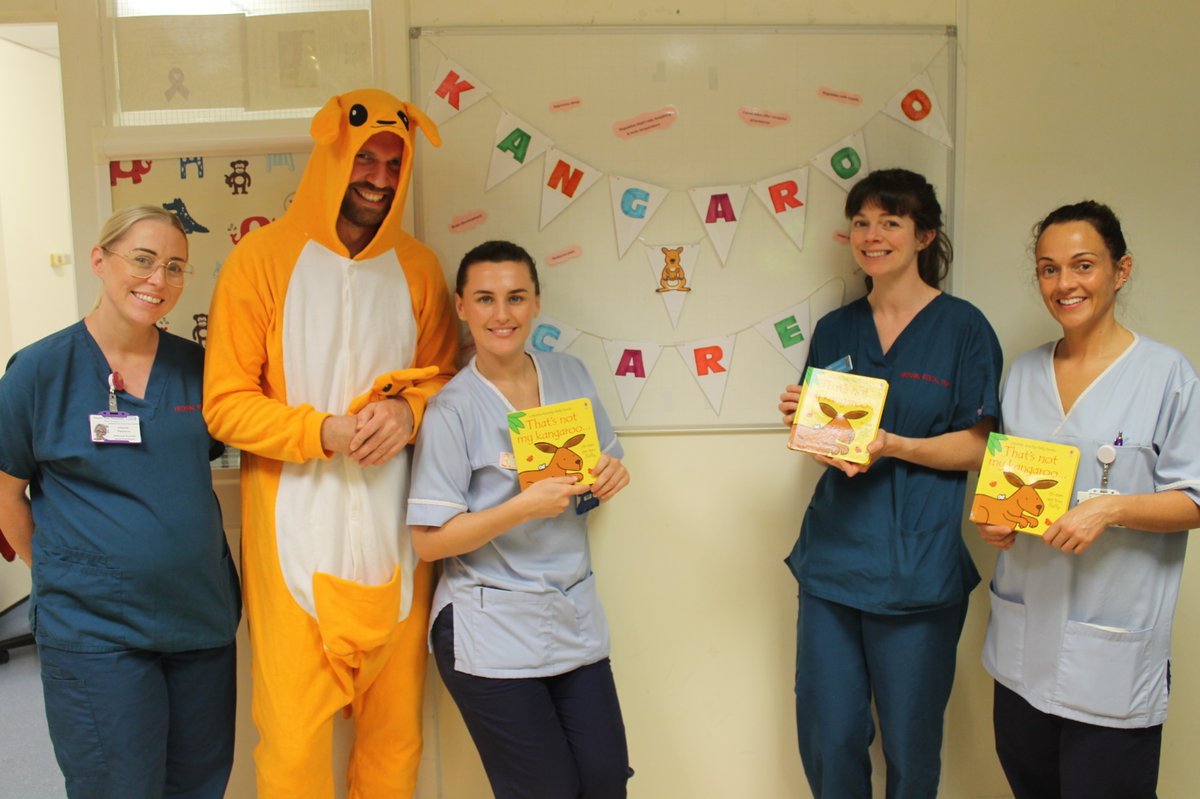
1106	454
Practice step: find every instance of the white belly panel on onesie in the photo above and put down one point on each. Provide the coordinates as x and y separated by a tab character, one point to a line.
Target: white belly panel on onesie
344	323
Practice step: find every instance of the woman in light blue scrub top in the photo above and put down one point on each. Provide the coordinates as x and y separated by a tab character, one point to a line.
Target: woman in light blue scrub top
518	632
1079	640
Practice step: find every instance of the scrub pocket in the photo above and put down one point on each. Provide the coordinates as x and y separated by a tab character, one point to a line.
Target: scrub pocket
1104	672
586	621
1004	647
79	596
498	631
72	723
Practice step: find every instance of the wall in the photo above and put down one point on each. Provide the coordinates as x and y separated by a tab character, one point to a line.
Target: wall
1063	100
35	221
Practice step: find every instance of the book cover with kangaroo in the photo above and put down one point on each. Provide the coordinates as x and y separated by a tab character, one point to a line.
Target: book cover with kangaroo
1024	484
838	414
554	441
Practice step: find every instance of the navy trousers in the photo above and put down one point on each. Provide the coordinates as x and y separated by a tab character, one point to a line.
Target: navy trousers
844	658
558	737
1049	757
142	725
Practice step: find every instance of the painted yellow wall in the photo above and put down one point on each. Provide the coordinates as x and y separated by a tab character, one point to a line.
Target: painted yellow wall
1062	100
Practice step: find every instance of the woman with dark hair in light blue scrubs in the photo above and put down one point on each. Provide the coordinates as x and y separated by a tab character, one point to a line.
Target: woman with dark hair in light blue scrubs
135	601
518	632
883	570
1079	639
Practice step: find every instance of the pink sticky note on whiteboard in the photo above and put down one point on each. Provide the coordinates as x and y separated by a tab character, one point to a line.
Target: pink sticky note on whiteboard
471	219
645	123
556	258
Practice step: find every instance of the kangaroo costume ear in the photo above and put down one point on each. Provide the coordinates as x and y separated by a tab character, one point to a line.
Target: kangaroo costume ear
328	121
426	124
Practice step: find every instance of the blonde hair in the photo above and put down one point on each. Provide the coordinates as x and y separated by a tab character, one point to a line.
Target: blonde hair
121	221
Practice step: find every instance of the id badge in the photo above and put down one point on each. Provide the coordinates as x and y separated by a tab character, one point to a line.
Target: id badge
115	428
1092	493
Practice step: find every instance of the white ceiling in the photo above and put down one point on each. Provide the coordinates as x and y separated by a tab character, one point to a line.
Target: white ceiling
41	37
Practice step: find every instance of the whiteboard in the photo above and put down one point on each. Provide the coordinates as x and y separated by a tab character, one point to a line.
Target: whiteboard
828	83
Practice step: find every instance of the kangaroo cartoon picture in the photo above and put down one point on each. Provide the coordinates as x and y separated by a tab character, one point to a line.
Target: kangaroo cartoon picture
563	462
835	435
673	277
1022	509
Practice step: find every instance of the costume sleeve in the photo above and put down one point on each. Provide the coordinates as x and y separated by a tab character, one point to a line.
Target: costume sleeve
978	380
17	457
237	408
437	328
1177	438
441	474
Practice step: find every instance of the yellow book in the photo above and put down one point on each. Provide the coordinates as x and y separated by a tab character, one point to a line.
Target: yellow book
1024	484
554	441
838	414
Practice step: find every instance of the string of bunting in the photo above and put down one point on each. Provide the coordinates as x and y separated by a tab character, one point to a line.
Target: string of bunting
566	177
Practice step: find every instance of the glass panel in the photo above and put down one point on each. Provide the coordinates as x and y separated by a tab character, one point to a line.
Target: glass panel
222	61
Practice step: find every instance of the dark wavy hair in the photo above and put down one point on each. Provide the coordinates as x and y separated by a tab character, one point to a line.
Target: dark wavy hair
905	193
495	252
1098	215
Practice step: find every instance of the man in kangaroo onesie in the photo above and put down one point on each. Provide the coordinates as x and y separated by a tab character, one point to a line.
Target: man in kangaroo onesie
328	310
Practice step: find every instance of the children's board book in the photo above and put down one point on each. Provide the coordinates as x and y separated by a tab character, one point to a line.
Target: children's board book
838	414
1024	484
554	441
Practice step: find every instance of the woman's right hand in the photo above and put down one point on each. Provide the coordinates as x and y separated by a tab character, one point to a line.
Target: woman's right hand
788	401
551	496
1000	537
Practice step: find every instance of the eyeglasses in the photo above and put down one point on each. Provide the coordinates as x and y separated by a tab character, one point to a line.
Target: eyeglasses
143	267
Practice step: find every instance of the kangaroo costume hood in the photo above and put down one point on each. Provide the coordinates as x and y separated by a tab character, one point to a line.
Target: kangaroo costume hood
299	331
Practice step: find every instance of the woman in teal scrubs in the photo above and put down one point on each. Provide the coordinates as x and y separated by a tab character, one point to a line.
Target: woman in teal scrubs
135	600
883	571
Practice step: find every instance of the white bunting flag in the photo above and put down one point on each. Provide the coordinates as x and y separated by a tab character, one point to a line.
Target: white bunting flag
453	90
720	208
845	162
788	332
672	274
708	361
630	363
550	335
515	144
916	105
633	203
785	196
564	180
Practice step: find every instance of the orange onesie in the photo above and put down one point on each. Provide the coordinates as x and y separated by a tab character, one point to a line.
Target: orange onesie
336	599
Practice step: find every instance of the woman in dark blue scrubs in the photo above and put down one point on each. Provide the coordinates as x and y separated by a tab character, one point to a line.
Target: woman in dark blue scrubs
883	570
135	602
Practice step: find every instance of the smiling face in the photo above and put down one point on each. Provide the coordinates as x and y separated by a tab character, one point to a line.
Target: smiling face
498	302
1077	275
373	181
885	245
140	301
